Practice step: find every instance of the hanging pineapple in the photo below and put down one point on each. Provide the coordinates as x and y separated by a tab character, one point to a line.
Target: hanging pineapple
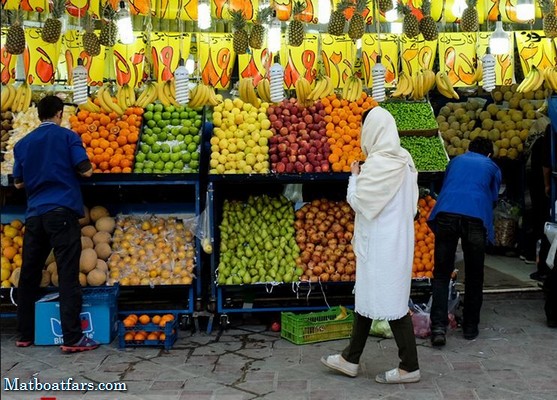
549	18
428	27
15	38
109	30
257	34
91	43
337	21
240	38
356	26
52	27
410	25
385	5
470	22
296	31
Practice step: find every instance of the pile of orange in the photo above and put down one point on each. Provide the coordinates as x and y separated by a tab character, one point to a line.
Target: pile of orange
12	249
110	140
344	126
132	321
424	246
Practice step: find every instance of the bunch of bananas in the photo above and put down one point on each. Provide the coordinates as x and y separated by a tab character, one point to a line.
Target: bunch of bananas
125	96
550	75
303	89
147	96
16	100
532	81
444	86
166	93
90	106
204	95
323	88
263	90
353	88
404	87
423	82
107	102
479	73
247	92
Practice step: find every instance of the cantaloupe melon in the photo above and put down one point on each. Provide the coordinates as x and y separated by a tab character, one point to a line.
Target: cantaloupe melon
86	220
14	278
52	268
82	279
89	231
97	213
54	279
96	277
102	265
105	224
50	259
86	243
103	251
88	260
101	237
45	280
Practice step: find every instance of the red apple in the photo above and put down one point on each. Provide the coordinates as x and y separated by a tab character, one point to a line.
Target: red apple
280	167
275	327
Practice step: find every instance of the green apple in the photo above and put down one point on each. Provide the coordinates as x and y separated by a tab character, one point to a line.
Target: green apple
155	148
144	148
195	156
179	164
165	157
140	157
168	166
162	123
192	147
175	122
158	108
148	115
165	148
174	157
166	115
147	170
180	137
170	109
149	164
159	165
186	157
150	107
154	157
194	164
162	136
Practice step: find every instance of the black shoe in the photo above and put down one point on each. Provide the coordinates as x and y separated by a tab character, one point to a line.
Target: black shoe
438	339
538	276
470	332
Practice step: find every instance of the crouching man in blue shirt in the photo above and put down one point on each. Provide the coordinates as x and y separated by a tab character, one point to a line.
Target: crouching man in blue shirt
48	162
464	210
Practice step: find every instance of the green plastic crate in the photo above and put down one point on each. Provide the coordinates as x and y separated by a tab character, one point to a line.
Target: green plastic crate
316	326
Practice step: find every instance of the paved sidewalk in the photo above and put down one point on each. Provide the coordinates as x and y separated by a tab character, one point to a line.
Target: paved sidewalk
515	357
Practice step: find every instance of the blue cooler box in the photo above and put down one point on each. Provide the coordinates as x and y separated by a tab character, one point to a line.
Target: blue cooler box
98	316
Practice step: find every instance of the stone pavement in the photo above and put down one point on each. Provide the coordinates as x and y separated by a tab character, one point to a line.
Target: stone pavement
515	357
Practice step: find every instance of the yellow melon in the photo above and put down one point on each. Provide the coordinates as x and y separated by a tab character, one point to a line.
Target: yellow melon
103	251
96	277
86	243
82	279
97	213
52	268
101	265
87	260
105	224
101	237
89	231
45	280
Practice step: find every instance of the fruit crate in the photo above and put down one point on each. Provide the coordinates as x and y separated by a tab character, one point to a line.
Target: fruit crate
316	326
170	331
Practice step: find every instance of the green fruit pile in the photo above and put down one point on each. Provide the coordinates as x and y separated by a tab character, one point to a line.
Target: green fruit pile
428	153
411	116
170	140
257	242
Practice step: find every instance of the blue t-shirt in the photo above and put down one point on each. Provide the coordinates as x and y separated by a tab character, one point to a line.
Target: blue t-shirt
46	160
470	187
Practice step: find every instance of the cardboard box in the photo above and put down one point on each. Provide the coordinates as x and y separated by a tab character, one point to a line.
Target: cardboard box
98	316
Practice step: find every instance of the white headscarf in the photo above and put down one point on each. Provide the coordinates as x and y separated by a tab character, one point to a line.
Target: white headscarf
382	173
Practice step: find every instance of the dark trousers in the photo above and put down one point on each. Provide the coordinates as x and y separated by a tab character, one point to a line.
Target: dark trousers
550	289
59	230
403	331
449	229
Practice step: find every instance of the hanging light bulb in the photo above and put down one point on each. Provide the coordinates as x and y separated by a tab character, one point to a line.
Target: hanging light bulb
358	44
525	10
190	64
274	36
79	82
458	8
324	11
203	14
499	41
124	24
396	27
488	71
392	14
276	79
181	80
378	76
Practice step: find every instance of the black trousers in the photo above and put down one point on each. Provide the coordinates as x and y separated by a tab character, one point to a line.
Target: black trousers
449	229
403	332
58	230
550	289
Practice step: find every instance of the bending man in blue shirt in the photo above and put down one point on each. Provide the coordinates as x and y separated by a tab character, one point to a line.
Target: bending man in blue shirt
464	210
47	164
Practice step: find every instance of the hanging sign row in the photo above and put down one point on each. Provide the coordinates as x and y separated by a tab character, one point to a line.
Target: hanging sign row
339	58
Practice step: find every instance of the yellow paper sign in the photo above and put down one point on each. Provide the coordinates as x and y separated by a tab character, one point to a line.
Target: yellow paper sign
34	5
128	62
534	49
216	59
176	9
11	4
167	48
338	54
255	65
8	61
457	57
283	9
507	10
220	8
78	8
417	54
300	61
40	58
72	46
388	46
504	66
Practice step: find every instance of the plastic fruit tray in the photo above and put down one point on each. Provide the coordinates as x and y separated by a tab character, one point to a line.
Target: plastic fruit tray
139	334
316	326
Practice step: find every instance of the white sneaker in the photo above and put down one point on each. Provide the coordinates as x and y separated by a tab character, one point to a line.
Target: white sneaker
338	363
394	376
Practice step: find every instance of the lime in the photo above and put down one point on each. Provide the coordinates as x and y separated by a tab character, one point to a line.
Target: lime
166	115
159	165
168	166
197	139
188	139
165	148
180	137
162	123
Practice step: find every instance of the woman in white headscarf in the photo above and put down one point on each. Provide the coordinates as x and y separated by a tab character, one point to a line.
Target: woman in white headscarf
384	196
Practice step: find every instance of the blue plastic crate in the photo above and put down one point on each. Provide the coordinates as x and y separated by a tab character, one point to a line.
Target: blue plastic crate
170	331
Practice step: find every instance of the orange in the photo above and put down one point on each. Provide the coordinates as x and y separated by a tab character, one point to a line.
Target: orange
139	336
129	336
144	319
153	336
9	252
128	322
156	319
162	336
